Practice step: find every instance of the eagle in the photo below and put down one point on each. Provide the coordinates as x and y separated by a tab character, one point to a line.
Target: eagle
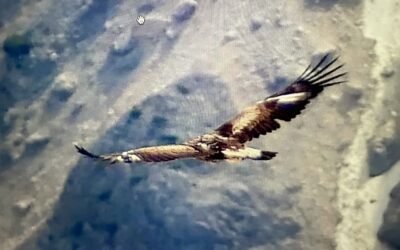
228	141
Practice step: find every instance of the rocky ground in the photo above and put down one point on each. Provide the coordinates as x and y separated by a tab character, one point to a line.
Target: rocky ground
86	72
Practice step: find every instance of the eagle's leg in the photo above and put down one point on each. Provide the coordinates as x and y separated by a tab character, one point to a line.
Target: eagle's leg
248	153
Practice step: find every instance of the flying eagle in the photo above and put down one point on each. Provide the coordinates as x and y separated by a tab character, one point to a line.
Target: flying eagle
228	142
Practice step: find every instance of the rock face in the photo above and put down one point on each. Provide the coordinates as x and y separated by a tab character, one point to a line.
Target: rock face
164	206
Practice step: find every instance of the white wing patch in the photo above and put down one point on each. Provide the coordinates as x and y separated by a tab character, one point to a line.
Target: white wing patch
290	97
128	156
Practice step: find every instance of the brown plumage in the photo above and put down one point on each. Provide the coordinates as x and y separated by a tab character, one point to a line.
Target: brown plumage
261	118
146	154
227	142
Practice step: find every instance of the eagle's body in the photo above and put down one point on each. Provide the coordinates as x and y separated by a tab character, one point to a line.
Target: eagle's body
228	142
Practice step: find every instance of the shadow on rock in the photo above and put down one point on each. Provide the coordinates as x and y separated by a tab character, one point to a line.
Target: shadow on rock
152	206
92	21
9	10
390	229
119	64
328	4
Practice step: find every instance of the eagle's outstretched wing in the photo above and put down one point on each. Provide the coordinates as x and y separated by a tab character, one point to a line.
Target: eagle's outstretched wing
261	118
147	154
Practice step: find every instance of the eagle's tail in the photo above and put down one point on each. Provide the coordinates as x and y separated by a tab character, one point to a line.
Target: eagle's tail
248	153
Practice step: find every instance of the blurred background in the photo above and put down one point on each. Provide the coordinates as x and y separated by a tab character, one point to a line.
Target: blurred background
85	71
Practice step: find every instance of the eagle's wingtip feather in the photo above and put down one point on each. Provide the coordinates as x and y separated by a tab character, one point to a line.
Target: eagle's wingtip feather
84	152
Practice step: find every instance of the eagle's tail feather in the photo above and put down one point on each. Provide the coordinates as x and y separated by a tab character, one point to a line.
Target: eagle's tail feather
248	153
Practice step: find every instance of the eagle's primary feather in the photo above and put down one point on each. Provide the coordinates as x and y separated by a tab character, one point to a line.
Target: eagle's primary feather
227	142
